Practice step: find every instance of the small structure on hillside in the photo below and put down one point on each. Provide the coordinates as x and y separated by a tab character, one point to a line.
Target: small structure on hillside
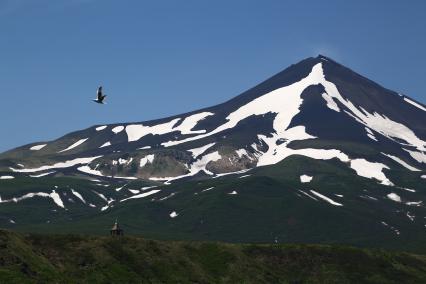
116	230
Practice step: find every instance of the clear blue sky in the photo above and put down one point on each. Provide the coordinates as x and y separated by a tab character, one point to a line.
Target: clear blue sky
160	58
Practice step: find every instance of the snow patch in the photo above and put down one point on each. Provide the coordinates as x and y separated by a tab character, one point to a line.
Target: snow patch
233	193
305	178
370	170
7	177
147	159
106	144
117	129
38	147
395	197
99	128
173	214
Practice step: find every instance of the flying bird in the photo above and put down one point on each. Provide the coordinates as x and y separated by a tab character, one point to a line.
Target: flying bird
100	98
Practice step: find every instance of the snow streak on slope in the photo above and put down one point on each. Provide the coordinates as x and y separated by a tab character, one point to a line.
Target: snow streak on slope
323	197
38	147
65	164
78	195
418	156
53	195
331	104
7	177
99	128
43	174
415	104
79	142
141	195
106	144
401	162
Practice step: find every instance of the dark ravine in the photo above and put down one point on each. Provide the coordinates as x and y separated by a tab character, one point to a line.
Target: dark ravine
33	258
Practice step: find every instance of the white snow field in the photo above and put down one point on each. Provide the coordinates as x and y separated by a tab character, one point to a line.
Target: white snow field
173	214
106	144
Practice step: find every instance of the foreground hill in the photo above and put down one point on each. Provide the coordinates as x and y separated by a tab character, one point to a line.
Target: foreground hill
87	259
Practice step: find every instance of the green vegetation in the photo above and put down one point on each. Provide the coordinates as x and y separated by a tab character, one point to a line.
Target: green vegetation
33	258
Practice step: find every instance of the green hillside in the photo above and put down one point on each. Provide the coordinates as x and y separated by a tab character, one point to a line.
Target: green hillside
32	258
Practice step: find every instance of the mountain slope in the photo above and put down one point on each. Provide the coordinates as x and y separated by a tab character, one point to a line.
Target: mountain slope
315	138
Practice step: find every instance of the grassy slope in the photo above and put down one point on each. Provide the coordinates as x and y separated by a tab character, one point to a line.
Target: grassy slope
78	259
265	209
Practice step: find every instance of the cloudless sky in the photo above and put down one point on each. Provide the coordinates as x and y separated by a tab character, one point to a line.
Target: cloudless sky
160	58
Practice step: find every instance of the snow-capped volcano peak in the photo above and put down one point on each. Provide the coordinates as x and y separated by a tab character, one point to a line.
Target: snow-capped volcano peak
312	109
